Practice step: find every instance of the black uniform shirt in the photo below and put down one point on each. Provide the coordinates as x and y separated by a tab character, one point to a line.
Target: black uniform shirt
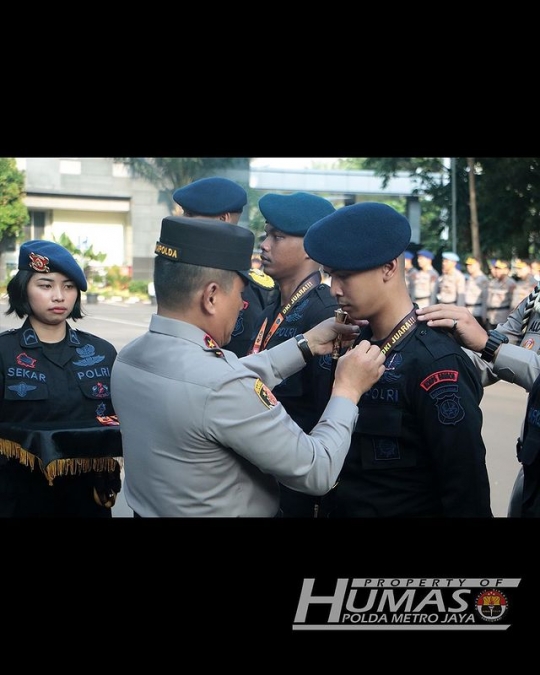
305	394
417	450
256	299
55	400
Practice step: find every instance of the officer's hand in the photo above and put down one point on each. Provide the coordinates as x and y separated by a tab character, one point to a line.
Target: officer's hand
358	370
321	337
465	328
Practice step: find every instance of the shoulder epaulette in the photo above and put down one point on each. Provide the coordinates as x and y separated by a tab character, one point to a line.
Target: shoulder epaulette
261	279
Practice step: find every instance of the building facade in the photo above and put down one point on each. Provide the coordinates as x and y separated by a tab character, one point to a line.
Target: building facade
97	202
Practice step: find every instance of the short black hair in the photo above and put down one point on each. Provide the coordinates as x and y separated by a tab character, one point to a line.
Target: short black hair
175	283
19	304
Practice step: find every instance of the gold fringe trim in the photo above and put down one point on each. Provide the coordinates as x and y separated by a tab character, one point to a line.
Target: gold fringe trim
58	467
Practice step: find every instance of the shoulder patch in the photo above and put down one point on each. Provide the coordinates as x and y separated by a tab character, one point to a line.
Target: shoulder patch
265	394
439	378
261	279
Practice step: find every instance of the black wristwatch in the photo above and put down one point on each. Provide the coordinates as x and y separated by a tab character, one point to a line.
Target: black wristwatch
303	346
495	339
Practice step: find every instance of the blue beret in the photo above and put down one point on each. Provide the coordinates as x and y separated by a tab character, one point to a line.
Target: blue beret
295	213
38	255
427	254
358	237
409	255
211	197
205	242
448	255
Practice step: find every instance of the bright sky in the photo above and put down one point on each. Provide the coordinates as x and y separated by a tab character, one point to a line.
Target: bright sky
291	162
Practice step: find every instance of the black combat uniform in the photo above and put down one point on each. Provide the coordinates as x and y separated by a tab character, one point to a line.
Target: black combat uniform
256	299
417	449
59	436
305	394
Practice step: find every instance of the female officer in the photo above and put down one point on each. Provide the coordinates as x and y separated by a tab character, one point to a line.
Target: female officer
59	436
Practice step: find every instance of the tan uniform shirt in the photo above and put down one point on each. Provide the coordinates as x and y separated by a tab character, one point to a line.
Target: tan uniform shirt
451	288
423	287
499	300
476	292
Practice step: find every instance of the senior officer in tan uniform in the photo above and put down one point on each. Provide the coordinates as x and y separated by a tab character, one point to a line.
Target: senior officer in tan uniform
190	409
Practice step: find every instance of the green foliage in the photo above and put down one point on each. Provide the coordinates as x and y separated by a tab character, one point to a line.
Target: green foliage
507	197
138	287
169	173
13	213
116	279
85	256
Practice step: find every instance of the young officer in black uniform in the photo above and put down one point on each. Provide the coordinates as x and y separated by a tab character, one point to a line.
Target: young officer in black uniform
417	450
224	200
304	301
59	437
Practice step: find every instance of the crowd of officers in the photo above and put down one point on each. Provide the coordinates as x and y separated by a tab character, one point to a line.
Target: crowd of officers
490	297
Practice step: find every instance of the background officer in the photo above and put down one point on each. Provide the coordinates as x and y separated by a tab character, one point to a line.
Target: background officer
451	283
224	200
203	434
476	290
417	450
500	292
423	285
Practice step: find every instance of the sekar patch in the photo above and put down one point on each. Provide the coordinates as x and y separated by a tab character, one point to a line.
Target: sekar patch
265	394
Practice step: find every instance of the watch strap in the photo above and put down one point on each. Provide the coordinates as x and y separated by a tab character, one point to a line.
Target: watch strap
303	346
495	339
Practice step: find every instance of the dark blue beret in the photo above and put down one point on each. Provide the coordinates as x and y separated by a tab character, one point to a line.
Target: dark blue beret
38	255
425	253
409	255
358	237
206	242
295	213
211	197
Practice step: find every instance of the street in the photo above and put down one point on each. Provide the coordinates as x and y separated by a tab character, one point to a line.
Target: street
503	404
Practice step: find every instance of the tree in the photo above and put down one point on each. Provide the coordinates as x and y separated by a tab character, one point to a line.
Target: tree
506	193
475	230
169	173
13	212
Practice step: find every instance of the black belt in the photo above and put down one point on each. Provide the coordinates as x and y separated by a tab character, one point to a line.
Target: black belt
478	304
501	307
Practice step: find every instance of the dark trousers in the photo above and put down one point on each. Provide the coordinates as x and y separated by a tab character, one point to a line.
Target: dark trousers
531	490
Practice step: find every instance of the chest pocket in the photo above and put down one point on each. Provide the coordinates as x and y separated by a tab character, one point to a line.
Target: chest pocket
378	436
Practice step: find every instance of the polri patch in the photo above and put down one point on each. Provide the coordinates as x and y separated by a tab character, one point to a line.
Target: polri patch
265	394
